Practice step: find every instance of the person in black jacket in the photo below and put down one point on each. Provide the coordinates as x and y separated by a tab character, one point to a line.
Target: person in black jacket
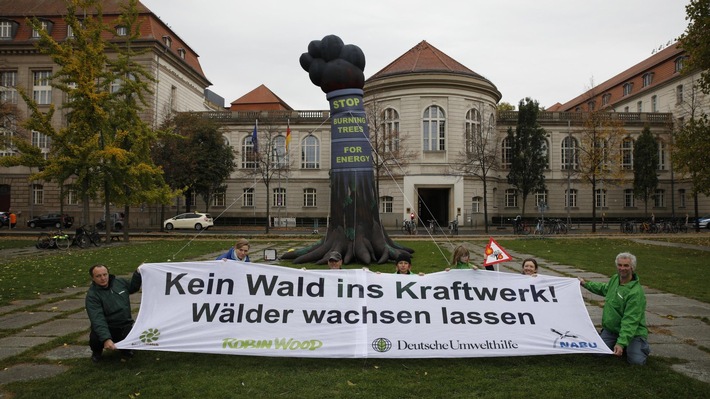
109	309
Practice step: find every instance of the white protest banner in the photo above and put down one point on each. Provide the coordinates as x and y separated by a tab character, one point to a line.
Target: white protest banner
264	310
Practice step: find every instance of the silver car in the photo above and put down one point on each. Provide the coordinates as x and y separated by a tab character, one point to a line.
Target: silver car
192	220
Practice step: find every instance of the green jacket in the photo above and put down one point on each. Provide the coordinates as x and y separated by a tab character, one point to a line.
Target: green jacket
463	265
110	307
624	308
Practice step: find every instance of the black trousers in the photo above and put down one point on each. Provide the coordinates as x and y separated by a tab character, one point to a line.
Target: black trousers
117	335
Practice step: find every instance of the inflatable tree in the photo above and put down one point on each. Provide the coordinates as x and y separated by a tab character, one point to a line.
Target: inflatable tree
354	229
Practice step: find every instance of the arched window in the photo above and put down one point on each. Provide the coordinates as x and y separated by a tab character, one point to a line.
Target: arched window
310	153
434	129
390	130
545	151
249	156
506	153
627	153
476	203
279	157
570	153
473	130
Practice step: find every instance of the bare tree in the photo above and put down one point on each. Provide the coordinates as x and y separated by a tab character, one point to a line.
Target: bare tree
478	156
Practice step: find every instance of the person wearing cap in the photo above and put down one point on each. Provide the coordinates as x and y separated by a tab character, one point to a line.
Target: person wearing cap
404	264
240	251
335	261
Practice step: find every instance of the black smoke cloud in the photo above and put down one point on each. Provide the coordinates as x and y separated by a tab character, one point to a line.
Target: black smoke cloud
332	65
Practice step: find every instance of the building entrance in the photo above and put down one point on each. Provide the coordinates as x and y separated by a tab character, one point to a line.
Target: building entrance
433	204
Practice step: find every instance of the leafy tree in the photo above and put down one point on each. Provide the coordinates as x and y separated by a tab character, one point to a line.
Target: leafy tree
692	145
695	40
599	157
194	156
528	151
479	155
645	167
504	106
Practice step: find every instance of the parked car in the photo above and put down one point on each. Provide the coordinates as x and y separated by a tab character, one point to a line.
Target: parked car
116	221
51	220
703	222
4	219
192	220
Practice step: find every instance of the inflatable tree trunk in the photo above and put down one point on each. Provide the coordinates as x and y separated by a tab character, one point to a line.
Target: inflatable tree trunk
354	229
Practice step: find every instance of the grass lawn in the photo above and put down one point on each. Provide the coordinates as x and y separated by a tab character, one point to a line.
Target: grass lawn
187	375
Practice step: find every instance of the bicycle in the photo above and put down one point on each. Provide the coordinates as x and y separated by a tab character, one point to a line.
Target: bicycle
409	227
432	226
520	227
85	237
58	239
454	227
540	227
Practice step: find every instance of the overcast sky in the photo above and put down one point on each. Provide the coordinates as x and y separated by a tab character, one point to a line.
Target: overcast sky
545	49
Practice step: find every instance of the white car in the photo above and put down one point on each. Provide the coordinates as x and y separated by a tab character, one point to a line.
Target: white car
192	220
703	222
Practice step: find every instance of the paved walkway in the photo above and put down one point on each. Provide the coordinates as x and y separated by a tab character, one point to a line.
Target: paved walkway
678	325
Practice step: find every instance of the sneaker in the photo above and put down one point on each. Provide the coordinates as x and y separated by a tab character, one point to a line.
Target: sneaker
95	357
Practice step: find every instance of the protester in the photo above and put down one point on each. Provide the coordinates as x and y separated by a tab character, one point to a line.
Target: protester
530	267
335	260
13	220
109	310
624	316
460	259
240	251
404	264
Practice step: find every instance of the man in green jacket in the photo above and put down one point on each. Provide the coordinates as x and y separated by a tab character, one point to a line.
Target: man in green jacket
624	316
109	309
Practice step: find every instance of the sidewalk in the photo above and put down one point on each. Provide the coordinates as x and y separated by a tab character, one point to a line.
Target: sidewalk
676	323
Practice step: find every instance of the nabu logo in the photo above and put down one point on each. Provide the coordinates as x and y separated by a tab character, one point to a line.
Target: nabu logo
577	342
150	335
381	345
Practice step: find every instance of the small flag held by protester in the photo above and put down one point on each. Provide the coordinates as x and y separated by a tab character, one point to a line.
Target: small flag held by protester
494	253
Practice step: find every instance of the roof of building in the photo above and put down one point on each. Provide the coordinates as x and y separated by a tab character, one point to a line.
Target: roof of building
152	27
424	58
260	99
661	64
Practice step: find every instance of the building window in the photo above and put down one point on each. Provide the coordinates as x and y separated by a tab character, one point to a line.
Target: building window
679	94
37	194
41	141
390	130
181	53
219	198
506	153
7	29
45	26
167	41
173	98
600	198
70	195
511	198
606	98
628	198
476	204
473	130
654	103
279	156
681	198
248	197
626	108
386	204
639	106
279	199
659	198
570	153
661	154
310	153
8	87
121	31
41	89
545	151
591	105
647	79
627	153
541	200
249	156
571	198
679	64
434	129
309	197
628	87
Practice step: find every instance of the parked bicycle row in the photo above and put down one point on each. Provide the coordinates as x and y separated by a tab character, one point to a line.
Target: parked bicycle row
652	227
62	240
